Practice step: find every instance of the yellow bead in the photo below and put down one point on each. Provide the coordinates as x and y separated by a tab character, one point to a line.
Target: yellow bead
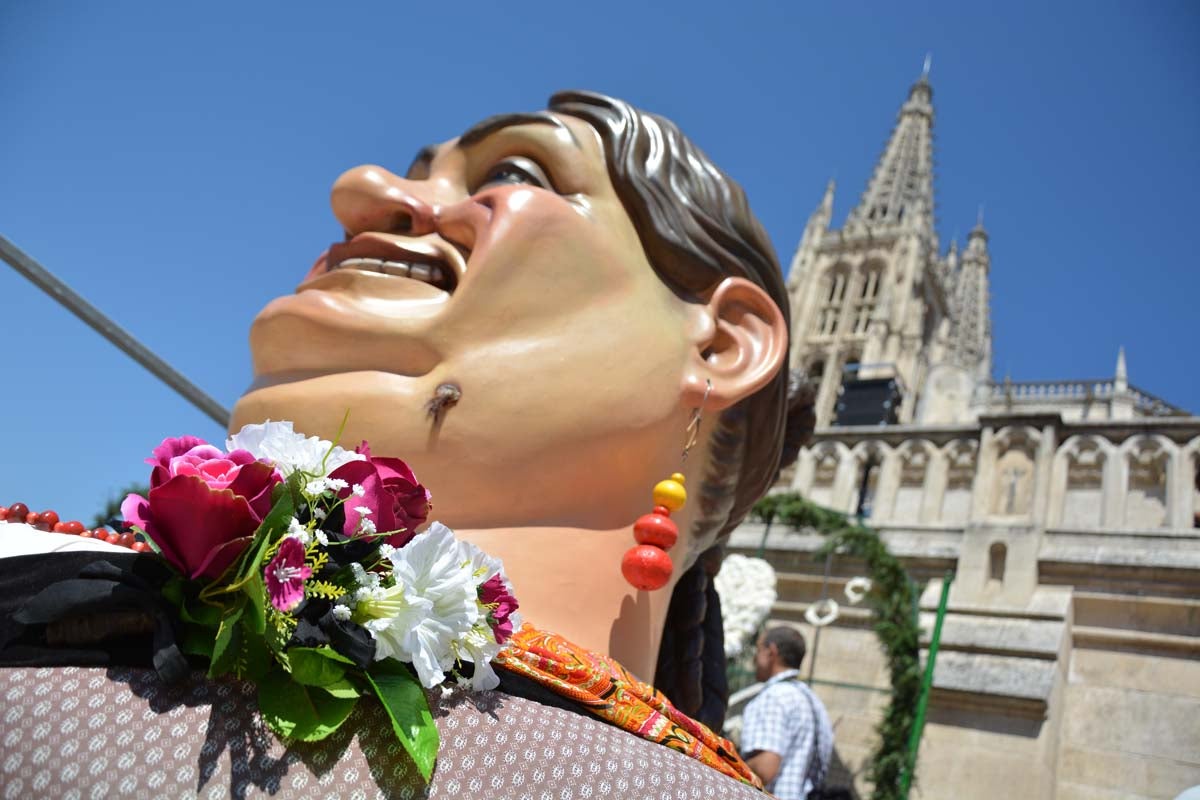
670	493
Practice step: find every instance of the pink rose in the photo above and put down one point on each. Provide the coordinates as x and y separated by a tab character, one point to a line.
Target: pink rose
391	491
204	504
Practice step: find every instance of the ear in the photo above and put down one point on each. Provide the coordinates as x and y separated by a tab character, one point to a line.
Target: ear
740	344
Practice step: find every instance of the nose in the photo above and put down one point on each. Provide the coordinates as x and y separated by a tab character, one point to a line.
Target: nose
370	198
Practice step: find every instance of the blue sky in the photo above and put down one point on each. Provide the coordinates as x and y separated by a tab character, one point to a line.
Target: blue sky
172	162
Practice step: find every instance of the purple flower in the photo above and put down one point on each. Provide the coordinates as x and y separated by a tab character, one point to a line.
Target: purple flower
494	591
286	574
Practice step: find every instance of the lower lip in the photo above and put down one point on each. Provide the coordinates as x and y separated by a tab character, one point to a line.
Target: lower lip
374	292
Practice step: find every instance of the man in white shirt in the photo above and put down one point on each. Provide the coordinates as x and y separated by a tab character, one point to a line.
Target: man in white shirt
786	736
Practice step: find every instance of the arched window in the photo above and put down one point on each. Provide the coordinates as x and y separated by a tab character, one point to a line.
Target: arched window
835	296
864	303
864	506
997	555
1196	491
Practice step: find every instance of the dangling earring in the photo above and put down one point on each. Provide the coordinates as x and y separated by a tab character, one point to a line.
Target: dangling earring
646	565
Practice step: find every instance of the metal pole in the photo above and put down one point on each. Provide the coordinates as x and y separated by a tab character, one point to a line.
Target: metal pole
812	662
762	546
94	317
914	737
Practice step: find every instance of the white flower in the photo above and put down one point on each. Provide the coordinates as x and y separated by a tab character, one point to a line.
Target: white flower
299	532
479	647
427	616
363	578
365	511
341	612
747	590
386	550
316	487
358	490
320	514
337	484
482	565
322	537
366	527
290	451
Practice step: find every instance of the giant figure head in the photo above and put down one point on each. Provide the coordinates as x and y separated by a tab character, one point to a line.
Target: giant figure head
576	282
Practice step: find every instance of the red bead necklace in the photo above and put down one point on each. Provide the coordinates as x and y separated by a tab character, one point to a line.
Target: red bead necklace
49	521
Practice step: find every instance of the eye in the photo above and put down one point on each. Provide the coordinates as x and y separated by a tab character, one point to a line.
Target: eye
515	171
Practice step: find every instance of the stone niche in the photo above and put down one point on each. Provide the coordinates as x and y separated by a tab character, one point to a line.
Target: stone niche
910	491
1146	498
825	466
960	475
1083	500
1012	487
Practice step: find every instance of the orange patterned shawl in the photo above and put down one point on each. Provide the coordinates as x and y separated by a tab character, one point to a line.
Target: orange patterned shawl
606	689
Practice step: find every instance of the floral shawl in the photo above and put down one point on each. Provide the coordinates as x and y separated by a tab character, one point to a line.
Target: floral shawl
609	691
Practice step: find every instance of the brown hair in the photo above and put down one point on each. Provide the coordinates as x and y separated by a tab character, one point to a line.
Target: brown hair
696	228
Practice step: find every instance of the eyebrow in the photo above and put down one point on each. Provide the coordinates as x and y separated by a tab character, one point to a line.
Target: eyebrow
423	158
485	128
481	130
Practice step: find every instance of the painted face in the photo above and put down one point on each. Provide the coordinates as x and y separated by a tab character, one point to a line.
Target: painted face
503	264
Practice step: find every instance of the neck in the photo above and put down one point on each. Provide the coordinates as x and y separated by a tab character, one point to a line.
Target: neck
569	581
782	668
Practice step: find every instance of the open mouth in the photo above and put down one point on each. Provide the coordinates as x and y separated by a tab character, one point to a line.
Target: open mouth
424	259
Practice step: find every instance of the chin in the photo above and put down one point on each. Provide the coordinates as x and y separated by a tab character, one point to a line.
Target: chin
370	403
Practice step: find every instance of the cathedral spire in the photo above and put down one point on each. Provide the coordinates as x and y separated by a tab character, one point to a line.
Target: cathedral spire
900	192
977	239
826	207
818	225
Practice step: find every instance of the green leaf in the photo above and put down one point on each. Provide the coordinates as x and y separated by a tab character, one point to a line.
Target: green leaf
172	590
201	613
342	688
227	644
301	712
256	603
311	667
275	522
253	660
405	703
330	653
197	641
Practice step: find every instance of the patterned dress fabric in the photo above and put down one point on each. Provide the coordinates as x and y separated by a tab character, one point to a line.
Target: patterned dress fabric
608	690
93	732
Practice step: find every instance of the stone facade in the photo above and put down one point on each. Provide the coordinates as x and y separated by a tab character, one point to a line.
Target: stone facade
1067	513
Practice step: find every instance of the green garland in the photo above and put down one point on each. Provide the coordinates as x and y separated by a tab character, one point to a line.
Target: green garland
891	598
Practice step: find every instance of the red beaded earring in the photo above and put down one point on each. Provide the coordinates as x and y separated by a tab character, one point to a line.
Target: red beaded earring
647	566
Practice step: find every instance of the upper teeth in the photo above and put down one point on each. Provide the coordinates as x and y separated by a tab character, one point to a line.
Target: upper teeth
428	273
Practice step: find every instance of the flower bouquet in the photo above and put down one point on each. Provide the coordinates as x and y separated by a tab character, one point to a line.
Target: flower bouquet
299	568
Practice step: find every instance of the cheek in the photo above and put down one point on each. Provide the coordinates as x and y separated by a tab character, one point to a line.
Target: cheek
539	239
